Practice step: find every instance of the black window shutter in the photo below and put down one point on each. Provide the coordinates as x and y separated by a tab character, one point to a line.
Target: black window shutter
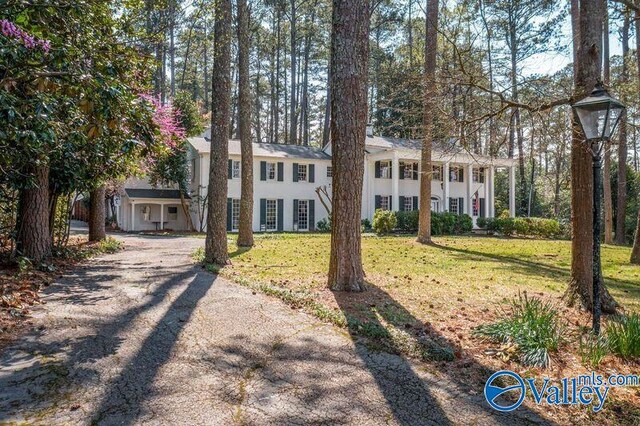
377	169
280	172
312	170
401	205
377	202
402	167
416	172
295	172
229	169
460	205
416	203
390	170
482	207
312	215
280	213
229	207
295	212
263	214
390	203
460	174
263	170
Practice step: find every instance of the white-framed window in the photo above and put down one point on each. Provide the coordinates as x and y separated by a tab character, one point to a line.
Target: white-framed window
435	204
408	170
272	171
456	174
172	213
329	171
146	213
235	169
302	172
235	214
436	172
478	175
453	205
385	202
303	215
271	219
385	169
475	203
408	204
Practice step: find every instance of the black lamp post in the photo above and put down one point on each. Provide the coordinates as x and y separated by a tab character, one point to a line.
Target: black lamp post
598	115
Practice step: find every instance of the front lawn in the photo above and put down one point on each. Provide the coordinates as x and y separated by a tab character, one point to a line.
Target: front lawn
426	301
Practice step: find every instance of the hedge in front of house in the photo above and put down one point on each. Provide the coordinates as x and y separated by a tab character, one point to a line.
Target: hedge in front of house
524	226
441	223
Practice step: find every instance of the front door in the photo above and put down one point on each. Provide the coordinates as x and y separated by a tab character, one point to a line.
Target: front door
303	215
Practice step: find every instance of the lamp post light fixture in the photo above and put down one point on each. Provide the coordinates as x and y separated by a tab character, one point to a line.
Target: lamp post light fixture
598	115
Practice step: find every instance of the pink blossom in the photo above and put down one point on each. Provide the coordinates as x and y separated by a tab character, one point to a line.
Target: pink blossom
166	118
11	30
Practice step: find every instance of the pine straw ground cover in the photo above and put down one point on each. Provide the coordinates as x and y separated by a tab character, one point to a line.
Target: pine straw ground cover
426	301
21	282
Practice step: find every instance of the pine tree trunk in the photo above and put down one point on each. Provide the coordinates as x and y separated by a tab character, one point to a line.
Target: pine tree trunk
34	236
216	241
97	230
621	199
586	72
294	62
349	63
606	192
245	234
635	251
431	49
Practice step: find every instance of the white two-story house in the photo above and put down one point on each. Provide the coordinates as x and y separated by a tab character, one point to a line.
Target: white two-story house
286	178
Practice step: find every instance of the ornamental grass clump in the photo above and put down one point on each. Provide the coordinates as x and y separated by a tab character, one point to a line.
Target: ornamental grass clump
531	327
623	334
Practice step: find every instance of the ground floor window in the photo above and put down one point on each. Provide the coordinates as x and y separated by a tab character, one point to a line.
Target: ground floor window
173	213
435	204
271	218
476	206
235	214
408	204
303	215
453	205
385	202
146	213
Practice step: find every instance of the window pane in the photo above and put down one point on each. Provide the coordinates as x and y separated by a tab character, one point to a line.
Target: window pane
272	215
235	214
271	171
302	172
236	169
303	215
408	204
329	171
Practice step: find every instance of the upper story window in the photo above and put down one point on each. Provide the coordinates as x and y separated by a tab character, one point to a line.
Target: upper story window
235	169
409	169
302	172
329	171
456	174
271	171
436	172
385	169
478	175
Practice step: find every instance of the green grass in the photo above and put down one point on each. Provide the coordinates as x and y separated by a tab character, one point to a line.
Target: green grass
480	269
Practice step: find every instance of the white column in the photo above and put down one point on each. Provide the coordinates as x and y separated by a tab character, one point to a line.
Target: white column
395	182
512	191
469	177
133	217
161	216
492	192
487	190
445	185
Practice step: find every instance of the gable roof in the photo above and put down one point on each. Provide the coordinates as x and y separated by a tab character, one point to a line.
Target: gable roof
171	194
202	145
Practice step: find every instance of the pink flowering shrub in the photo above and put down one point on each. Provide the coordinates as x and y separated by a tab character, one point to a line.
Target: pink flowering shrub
11	30
166	118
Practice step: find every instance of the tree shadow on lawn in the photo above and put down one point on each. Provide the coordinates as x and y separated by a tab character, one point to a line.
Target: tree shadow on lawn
379	322
41	372
539	269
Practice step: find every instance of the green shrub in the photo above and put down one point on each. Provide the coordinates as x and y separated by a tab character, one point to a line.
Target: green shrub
623	334
593	349
532	326
407	221
523	226
384	221
110	245
366	224
464	224
323	225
